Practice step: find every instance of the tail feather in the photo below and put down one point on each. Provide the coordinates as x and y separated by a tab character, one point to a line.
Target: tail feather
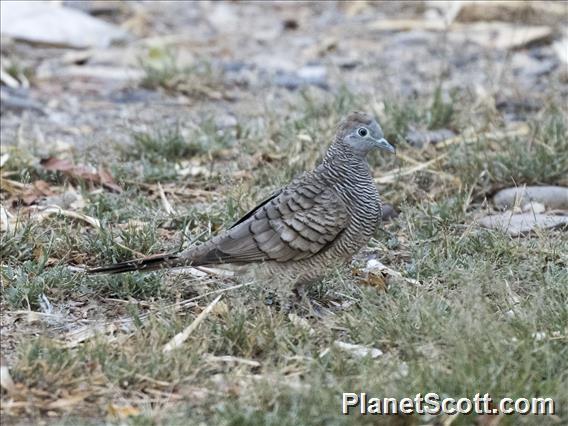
150	263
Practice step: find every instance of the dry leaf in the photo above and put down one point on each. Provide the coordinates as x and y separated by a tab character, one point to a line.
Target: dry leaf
81	172
63	403
122	411
51	210
376	280
374	267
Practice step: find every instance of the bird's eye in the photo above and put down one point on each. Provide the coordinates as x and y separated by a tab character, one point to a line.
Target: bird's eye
362	132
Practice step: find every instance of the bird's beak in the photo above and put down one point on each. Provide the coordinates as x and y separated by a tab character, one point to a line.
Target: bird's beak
385	145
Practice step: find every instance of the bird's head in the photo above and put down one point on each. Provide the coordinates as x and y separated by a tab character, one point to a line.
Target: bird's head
363	134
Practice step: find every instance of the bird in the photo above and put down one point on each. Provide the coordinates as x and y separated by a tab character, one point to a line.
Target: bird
302	230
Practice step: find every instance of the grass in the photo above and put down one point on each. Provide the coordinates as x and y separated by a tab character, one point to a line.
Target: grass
489	315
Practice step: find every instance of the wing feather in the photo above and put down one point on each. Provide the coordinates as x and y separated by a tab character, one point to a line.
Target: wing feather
296	223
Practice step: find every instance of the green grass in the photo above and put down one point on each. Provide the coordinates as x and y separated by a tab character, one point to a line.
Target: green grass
489	315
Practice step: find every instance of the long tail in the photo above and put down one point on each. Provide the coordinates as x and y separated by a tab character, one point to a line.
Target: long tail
150	263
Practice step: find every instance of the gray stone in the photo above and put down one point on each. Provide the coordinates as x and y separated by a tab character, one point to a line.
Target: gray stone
522	223
420	138
48	23
552	197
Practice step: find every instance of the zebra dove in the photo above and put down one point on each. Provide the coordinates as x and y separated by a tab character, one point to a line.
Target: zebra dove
321	219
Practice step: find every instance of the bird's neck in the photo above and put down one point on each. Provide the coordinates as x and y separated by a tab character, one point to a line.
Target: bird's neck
343	162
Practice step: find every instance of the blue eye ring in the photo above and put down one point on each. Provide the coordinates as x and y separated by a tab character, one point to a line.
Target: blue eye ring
362	132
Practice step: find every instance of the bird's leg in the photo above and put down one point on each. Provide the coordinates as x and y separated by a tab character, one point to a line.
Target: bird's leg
302	299
300	292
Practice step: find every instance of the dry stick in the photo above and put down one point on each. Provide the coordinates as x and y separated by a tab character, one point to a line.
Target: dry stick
179	338
391	177
416	162
521	130
165	203
90	330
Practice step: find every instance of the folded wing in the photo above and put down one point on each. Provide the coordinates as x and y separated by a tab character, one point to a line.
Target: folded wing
293	224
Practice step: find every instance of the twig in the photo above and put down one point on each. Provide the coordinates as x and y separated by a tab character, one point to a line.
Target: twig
233	359
179	338
391	177
165	203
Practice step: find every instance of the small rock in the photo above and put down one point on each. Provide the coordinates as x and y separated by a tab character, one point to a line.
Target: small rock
347	63
310	75
527	66
552	197
95	72
313	74
388	212
359	351
17	100
523	223
225	121
561	49
48	23
421	138
69	200
533	207
290	24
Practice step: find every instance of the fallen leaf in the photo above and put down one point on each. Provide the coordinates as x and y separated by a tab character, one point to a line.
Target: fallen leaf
51	210
108	181
66	402
375	267
122	411
56	164
376	280
81	172
42	187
